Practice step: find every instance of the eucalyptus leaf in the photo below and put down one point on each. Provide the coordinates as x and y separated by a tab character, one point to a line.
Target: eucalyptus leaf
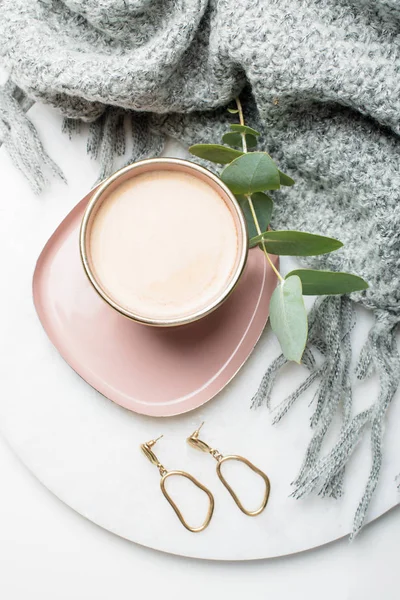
232	139
263	208
251	140
251	172
288	317
235	140
244	129
321	283
215	153
296	243
285	179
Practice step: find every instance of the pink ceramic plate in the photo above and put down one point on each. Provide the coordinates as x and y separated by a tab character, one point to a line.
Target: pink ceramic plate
153	371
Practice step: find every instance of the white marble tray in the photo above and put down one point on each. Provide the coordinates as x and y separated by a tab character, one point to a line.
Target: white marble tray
85	449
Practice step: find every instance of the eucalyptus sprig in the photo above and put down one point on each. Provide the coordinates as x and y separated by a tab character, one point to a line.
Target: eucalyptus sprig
249	175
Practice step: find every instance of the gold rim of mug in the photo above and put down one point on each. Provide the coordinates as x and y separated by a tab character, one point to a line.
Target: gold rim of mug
83	239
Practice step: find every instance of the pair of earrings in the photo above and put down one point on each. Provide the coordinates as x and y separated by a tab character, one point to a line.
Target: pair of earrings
199	444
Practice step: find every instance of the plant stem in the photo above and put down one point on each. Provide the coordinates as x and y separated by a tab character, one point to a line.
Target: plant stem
241	119
253	212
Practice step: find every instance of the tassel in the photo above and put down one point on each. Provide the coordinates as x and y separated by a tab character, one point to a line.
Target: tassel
112	142
71	126
330	324
107	139
95	136
386	362
146	142
20	138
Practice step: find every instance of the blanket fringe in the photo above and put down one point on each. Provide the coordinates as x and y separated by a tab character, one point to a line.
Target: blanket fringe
330	324
146	141
20	138
106	139
385	359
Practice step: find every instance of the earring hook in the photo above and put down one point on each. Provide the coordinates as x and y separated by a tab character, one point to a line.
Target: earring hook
195	442
148	452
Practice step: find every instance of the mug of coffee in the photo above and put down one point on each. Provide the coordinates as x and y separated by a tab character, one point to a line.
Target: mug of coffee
163	241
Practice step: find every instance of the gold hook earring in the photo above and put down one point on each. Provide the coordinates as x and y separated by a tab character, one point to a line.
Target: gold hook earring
195	442
148	452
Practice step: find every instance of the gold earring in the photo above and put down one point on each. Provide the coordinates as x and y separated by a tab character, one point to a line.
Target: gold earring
148	452
195	442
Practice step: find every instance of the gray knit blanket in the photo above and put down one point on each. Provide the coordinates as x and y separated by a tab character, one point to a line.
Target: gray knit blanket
319	78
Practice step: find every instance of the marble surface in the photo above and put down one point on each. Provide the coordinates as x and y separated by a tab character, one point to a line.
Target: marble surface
48	551
85	449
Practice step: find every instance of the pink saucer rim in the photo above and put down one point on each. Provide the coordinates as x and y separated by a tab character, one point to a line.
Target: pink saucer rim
179	406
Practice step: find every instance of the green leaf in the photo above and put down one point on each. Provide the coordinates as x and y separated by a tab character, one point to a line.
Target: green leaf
251	140
235	139
245	129
232	139
263	208
252	172
285	179
296	243
321	283
215	153
233	111
288	317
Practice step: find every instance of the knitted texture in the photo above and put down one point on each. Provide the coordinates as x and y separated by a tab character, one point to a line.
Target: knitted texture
320	78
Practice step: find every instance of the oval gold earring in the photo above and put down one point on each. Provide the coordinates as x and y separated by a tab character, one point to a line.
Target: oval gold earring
148	452
195	442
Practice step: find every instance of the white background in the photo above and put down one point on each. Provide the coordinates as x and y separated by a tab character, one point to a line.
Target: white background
48	552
